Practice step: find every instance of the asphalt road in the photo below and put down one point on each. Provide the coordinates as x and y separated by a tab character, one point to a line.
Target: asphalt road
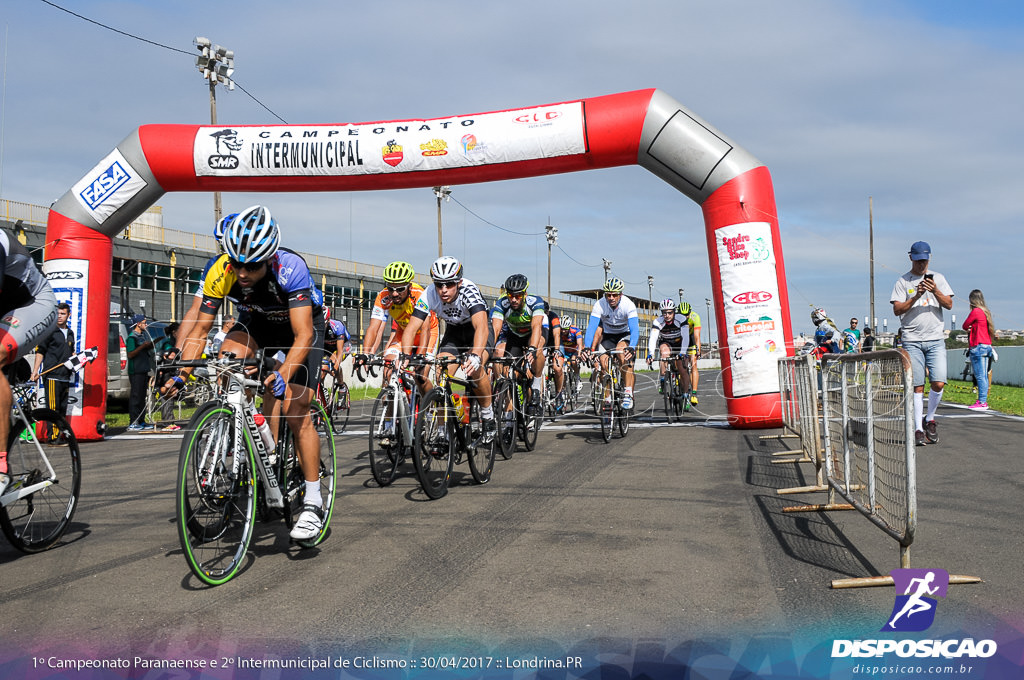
673	535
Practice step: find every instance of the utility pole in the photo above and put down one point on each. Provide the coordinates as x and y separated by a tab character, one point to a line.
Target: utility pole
551	234
871	256
445	193
650	297
217	64
607	264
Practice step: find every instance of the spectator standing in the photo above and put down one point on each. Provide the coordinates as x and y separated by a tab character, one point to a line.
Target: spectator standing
918	298
165	349
58	347
868	343
851	338
980	331
140	363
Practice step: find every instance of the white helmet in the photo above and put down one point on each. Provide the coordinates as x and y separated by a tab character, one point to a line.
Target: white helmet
446	268
668	305
252	236
817	316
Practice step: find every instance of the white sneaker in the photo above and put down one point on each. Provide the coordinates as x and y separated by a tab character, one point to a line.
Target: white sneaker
309	525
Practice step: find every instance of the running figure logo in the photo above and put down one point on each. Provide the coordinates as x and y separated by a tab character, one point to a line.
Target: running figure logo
914	610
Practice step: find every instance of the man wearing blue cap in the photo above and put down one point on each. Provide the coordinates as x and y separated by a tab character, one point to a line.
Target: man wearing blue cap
918	299
140	362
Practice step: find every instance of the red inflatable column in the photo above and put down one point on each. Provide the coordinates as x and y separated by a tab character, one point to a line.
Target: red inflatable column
751	301
77	263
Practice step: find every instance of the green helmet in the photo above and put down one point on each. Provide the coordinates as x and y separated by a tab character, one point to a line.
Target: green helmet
614	285
684	308
398	272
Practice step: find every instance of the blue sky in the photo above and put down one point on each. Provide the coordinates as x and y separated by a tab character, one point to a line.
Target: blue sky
916	104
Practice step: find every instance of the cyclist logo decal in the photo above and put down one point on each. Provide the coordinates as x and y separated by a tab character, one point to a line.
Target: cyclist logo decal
914	609
392	153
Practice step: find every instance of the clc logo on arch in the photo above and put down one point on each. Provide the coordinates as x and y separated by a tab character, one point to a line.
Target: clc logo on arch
752	297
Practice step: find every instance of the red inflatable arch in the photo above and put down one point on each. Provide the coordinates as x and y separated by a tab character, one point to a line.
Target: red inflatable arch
645	127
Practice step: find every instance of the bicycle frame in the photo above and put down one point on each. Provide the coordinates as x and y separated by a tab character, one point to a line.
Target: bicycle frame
23	394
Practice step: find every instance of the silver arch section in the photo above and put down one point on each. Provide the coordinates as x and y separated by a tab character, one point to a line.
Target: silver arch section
687	152
115	192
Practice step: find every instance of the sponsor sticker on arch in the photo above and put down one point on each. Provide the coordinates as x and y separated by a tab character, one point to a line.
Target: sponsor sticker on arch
108	186
752	311
390	146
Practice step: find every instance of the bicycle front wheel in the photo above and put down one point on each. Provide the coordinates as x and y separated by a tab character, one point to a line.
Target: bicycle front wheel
606	400
530	425
37	519
216	507
502	410
341	407
384	440
481	456
434	448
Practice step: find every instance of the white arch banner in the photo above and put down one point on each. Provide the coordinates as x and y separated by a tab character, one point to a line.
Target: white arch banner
645	127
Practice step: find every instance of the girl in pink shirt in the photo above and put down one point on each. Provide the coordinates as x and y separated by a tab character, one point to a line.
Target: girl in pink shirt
980	330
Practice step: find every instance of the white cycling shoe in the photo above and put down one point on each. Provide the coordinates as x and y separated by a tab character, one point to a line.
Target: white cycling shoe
309	524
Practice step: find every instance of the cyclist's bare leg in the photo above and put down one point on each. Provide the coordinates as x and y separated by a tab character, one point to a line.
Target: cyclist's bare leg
557	368
627	365
683	367
6	404
694	373
664	351
297	399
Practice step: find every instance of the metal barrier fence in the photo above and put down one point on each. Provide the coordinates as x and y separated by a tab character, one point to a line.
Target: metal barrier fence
867	400
862	444
800	416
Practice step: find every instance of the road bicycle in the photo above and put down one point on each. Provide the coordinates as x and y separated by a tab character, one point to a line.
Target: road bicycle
393	416
573	384
512	397
227	475
608	397
45	472
552	401
448	427
676	388
335	401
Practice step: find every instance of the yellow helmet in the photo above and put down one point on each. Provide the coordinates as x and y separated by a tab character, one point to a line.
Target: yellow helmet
398	272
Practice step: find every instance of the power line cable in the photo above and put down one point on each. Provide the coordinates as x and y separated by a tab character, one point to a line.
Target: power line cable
152	42
492	224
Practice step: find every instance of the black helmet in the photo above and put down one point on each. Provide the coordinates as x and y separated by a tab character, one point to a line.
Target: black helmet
517	283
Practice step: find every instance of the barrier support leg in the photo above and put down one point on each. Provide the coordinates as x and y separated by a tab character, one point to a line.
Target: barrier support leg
874	581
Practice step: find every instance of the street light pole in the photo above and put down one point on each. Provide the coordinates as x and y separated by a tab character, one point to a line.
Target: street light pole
551	234
707	301
607	268
217	64
680	296
445	193
650	296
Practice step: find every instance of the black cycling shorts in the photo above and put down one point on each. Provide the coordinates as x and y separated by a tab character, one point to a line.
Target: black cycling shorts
274	337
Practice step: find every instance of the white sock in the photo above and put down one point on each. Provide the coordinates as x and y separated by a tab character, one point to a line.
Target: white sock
934	397
918	409
629	390
486	412
538	383
313	496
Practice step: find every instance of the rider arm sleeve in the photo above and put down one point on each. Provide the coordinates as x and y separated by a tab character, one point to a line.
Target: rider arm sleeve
591	331
634	331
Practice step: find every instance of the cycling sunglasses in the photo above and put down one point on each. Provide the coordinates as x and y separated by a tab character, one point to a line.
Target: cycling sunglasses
247	266
397	290
446	284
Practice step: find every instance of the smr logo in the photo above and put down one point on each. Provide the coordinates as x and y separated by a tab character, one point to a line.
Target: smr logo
227	141
914	610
